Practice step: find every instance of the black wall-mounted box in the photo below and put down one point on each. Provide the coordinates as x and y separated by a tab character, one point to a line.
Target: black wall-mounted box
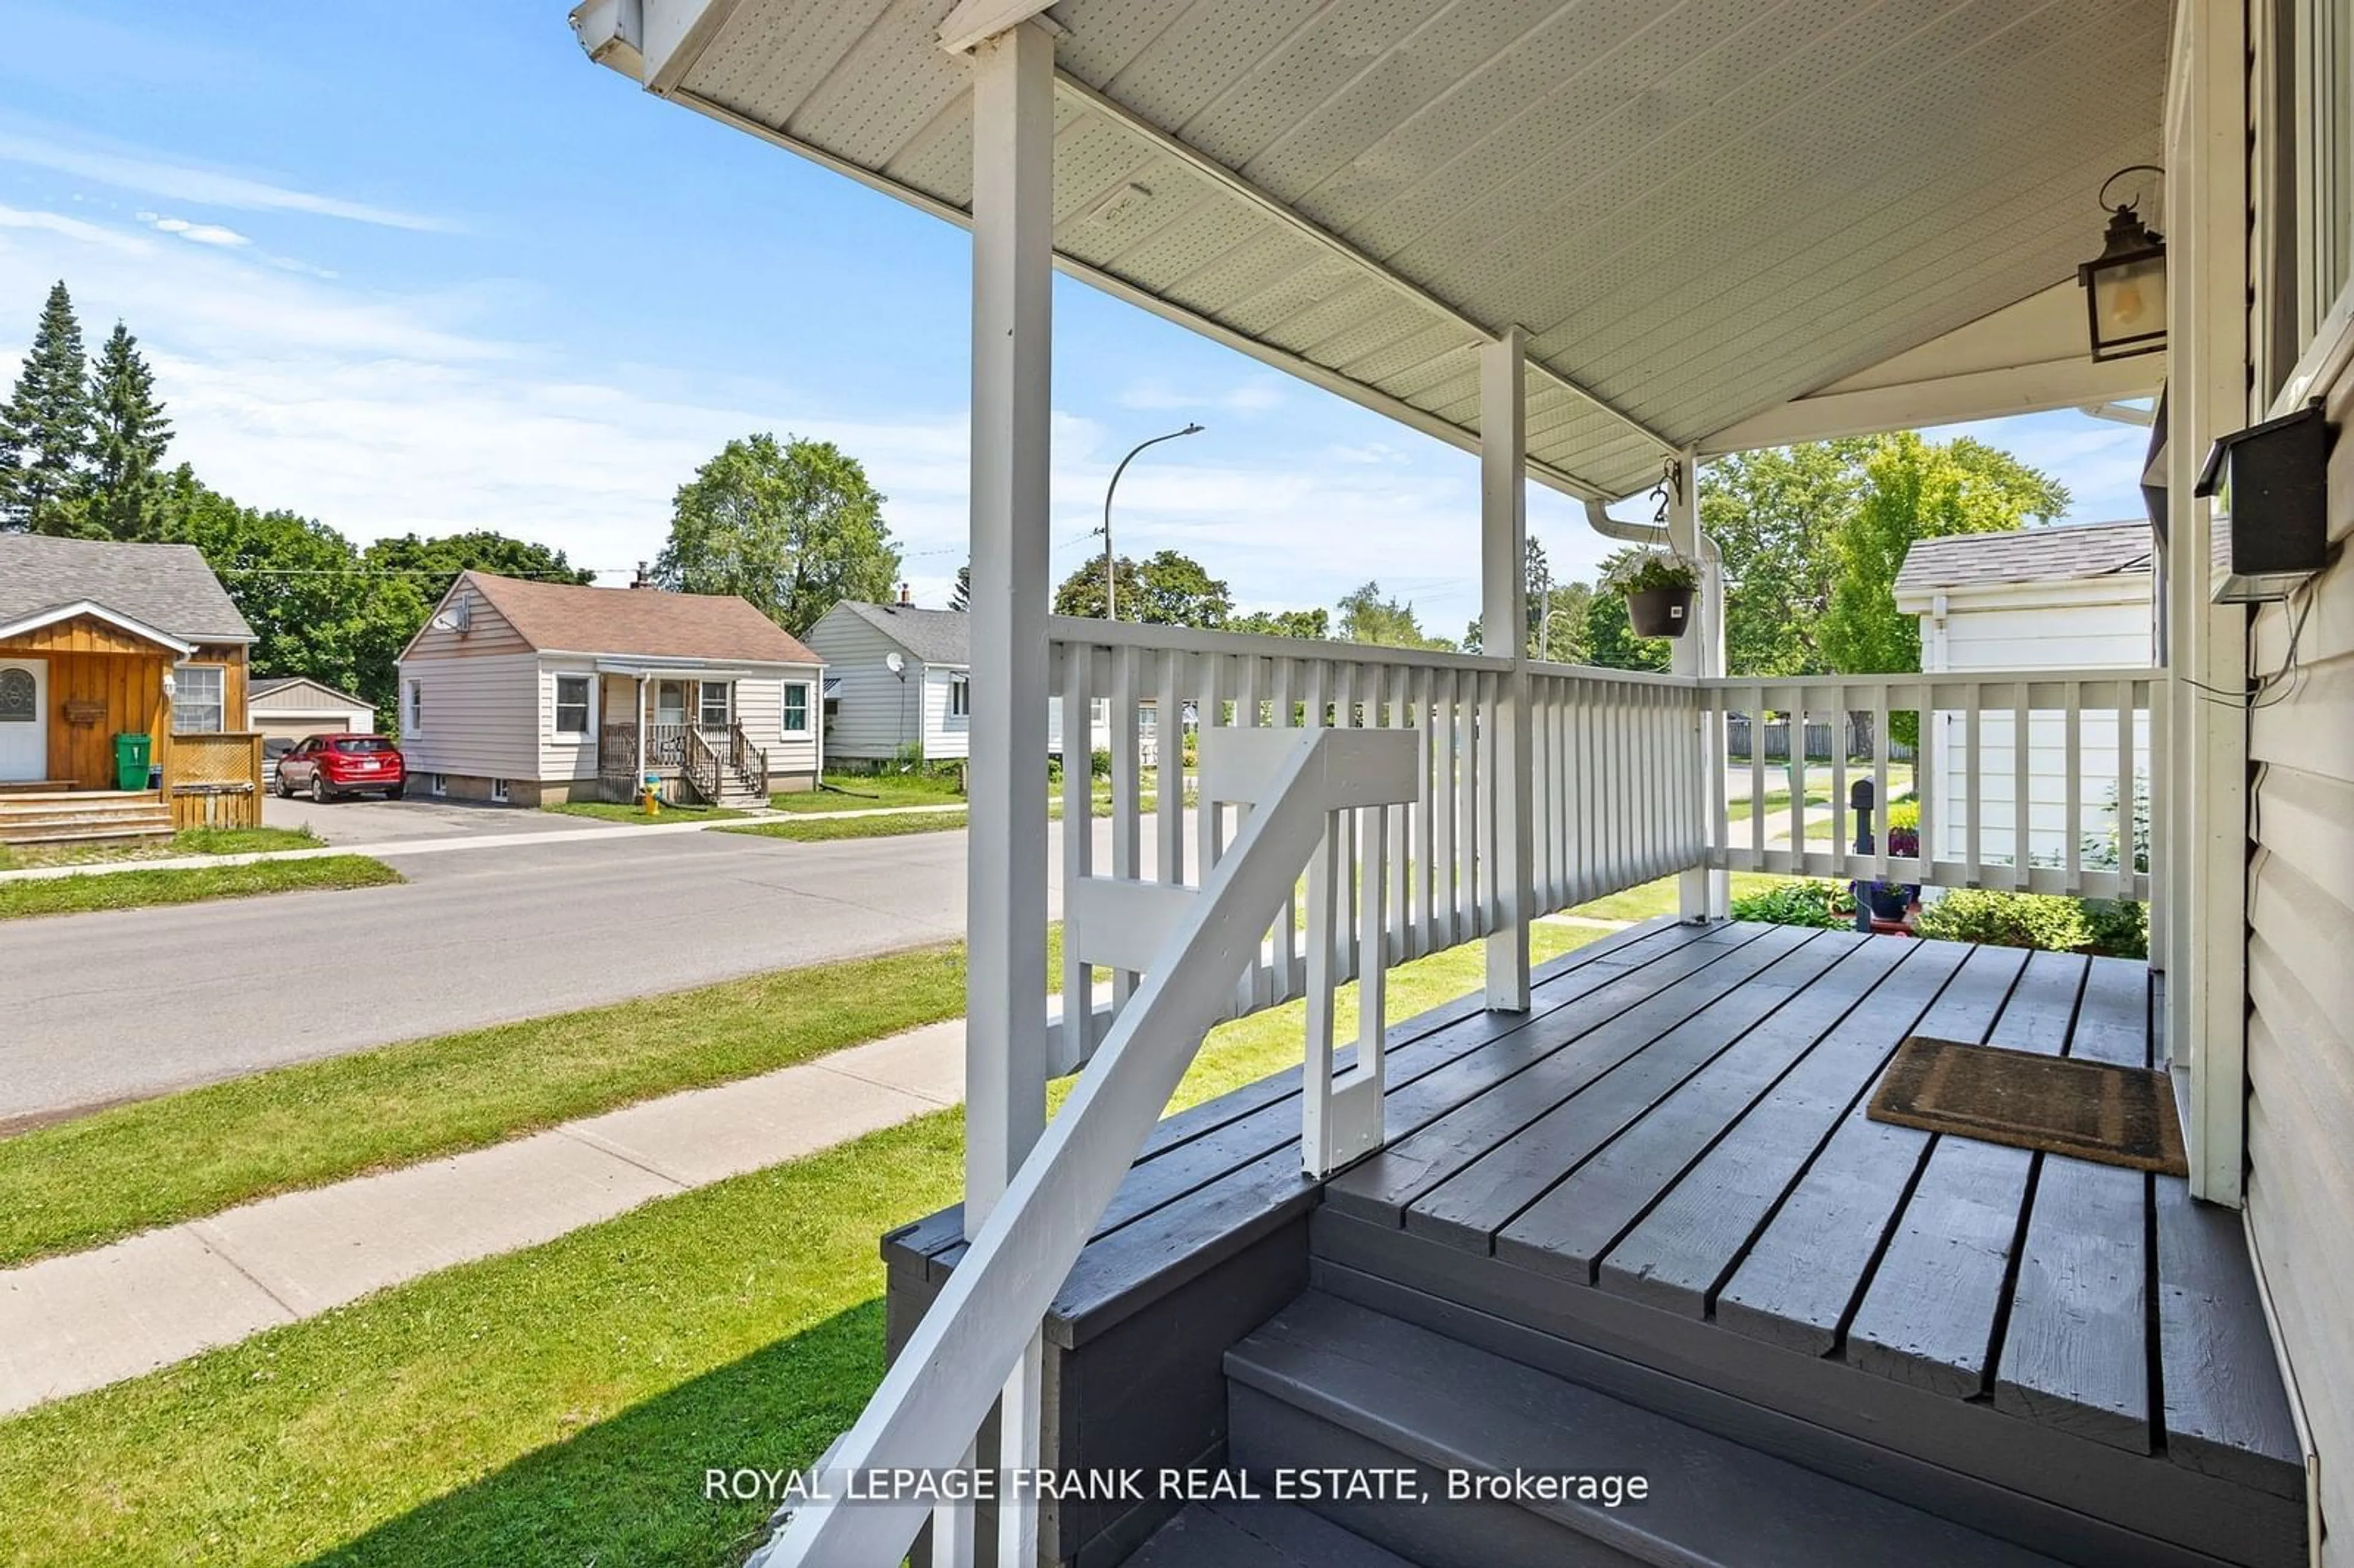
2271	515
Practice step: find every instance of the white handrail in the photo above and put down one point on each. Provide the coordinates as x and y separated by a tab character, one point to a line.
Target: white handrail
937	1393
2027	780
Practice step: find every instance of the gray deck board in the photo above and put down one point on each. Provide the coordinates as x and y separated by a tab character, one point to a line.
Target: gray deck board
2226	1412
1574	1225
1379	1188
1679	1123
1567	1232
1497	1152
1928	1313
1685	1248
1440	1403
1799	1280
2076	1350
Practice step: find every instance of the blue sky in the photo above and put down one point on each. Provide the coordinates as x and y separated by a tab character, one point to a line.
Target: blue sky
440	272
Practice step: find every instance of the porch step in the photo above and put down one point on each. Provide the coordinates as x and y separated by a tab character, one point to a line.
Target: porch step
1258	1535
71	816
1327	1382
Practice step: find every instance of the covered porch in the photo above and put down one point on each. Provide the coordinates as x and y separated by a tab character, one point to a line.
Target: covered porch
1593	247
678	726
1658	1186
75	681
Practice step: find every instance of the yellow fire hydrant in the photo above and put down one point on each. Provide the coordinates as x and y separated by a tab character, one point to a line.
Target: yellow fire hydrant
649	796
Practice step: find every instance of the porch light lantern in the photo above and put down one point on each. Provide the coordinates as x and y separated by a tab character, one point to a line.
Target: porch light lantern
2124	285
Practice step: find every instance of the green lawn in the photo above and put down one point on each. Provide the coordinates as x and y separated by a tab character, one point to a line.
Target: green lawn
187	840
135	889
615	811
874	827
99	1177
1653	899
871	792
556	1405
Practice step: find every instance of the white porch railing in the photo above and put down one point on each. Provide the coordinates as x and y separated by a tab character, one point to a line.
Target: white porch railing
1618	790
2055	814
1301	790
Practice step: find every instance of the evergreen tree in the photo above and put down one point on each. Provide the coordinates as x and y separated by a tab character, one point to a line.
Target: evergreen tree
45	427
128	434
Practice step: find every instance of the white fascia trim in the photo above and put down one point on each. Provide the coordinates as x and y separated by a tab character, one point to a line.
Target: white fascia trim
115	619
2068	593
1945	400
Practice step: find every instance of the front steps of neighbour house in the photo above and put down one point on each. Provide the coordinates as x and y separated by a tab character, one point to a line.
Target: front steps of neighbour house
1646	1230
57	813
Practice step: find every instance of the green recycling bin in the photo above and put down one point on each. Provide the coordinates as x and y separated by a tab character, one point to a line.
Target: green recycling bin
131	753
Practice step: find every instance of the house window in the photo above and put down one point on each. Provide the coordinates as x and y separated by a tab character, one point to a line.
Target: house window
670	701
437	784
2322	68
499	791
712	710
572	704
415	723
198	706
959	696
20	700
796	707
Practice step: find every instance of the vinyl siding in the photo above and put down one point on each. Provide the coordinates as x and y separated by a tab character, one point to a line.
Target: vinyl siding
946	736
760	708
875	712
2301	998
1995	637
303	698
479	717
567	756
488	635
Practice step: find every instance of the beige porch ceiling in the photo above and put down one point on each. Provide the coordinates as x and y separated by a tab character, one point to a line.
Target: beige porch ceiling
1700	210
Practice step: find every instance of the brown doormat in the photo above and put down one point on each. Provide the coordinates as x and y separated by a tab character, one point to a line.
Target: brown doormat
2091	1111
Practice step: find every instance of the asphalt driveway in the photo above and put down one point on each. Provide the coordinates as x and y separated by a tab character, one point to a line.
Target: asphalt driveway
367	820
110	1006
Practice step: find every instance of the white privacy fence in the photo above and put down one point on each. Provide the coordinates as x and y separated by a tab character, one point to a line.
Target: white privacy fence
1616	789
2029	781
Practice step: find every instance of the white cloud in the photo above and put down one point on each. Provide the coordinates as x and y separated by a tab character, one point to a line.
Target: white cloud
196	233
186	183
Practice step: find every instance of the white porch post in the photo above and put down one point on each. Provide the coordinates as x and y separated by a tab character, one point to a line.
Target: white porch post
2204	876
1006	1048
1702	893
638	778
1503	630
1005	914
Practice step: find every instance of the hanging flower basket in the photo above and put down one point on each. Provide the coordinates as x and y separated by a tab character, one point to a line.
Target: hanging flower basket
1659	589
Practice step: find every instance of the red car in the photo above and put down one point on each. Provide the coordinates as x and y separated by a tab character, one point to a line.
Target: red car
326	766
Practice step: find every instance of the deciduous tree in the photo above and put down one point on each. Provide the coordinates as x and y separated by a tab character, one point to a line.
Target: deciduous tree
1167	587
1367	617
1313	624
793	527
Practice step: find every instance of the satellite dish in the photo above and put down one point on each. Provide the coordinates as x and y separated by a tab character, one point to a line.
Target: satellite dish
894	664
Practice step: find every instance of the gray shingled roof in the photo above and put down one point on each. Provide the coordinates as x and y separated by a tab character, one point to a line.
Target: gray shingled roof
167	587
934	636
2032	555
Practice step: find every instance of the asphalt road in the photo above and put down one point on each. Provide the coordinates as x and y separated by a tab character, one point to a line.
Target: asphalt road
96	1008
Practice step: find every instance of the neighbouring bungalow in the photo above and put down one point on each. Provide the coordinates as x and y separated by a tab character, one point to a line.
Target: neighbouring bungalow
899	685
530	694
109	651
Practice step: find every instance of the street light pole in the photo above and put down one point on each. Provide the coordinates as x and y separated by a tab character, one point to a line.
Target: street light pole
1111	587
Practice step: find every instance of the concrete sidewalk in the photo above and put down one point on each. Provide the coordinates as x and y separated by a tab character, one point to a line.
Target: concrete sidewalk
77	1322
448	844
